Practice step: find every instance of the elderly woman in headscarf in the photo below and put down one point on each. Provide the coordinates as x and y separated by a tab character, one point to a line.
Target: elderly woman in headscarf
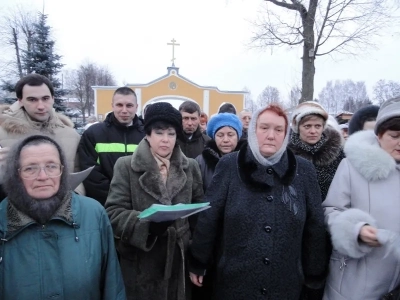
225	129
152	255
266	210
362	212
54	244
317	142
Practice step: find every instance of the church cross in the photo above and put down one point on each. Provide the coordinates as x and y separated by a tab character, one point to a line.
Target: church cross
173	44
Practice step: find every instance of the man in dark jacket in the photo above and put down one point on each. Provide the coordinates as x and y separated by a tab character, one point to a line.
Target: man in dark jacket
103	143
192	141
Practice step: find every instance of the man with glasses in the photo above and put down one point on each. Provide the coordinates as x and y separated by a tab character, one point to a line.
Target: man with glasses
33	113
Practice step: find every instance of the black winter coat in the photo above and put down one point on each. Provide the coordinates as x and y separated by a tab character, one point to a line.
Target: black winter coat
273	236
100	146
193	147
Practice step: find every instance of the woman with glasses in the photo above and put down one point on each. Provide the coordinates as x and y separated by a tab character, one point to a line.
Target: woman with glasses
54	244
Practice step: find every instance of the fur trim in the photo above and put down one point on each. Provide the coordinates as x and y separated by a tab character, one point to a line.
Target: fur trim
363	151
344	232
305	109
327	153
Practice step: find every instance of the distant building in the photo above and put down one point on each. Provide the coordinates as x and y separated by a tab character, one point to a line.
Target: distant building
173	88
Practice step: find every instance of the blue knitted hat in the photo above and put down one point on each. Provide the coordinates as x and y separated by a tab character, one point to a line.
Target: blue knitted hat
222	120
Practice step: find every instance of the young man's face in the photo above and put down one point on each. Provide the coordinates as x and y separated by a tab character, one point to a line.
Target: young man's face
37	101
190	122
124	108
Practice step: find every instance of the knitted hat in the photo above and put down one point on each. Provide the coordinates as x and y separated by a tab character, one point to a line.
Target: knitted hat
305	109
389	109
361	116
165	112
221	120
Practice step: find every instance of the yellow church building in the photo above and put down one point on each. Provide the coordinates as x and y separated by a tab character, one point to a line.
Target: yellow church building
173	88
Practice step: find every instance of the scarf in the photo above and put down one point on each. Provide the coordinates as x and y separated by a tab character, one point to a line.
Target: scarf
297	142
163	164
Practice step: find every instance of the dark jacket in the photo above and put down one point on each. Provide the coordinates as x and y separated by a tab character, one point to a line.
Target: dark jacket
273	236
71	257
208	161
100	146
152	266
325	155
194	146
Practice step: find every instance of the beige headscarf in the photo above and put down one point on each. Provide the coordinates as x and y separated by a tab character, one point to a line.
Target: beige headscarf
163	164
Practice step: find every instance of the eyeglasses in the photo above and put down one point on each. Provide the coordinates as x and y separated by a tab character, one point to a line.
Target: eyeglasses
33	171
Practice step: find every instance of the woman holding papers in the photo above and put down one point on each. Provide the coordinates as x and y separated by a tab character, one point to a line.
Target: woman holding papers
152	255
265	216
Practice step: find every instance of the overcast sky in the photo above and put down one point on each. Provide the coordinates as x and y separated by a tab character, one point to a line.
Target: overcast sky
131	36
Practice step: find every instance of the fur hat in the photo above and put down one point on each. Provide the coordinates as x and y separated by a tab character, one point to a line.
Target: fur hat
361	116
305	109
389	109
224	119
165	112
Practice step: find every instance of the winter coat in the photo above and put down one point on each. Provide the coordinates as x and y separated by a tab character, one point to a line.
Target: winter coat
153	267
325	155
193	147
100	146
208	161
273	236
365	190
71	257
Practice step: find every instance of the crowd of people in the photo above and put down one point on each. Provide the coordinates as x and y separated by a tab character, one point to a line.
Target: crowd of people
302	208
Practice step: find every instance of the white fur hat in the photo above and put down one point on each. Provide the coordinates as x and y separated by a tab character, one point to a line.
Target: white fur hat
305	109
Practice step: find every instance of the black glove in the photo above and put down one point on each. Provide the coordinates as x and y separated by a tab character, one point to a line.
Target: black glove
159	228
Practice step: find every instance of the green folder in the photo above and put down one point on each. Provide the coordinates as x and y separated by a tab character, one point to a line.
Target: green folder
162	213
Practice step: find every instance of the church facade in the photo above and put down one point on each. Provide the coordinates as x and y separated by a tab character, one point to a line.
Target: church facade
173	88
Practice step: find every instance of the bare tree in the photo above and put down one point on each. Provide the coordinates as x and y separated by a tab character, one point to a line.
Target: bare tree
384	90
321	27
80	81
249	102
294	96
269	95
16	32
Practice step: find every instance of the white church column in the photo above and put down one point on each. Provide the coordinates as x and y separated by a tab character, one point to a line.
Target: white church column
206	102
139	100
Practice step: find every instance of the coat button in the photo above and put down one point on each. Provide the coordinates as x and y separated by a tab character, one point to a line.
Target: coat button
270	198
269	171
266	261
268	229
264	291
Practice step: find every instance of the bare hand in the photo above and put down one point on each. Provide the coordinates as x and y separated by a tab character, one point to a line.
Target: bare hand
368	236
4	154
196	279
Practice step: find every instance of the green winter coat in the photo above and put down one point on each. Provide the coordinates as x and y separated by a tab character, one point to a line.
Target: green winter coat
71	257
153	267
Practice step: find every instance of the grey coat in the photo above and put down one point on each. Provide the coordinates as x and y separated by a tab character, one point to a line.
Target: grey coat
365	190
153	267
273	237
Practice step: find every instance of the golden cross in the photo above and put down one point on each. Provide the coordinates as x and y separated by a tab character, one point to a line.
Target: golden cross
173	44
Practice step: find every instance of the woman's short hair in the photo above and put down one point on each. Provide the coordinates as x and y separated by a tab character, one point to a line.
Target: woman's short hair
158	125
276	108
391	124
310	117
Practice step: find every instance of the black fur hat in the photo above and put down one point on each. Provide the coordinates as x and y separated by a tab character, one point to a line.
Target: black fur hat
165	112
367	113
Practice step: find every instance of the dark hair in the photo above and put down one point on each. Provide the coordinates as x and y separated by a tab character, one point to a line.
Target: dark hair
391	124
33	80
190	107
365	114
124	91
158	125
227	108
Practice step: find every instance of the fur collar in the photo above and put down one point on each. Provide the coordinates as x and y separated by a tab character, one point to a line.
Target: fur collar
325	154
17	220
212	155
363	151
253	174
15	120
150	181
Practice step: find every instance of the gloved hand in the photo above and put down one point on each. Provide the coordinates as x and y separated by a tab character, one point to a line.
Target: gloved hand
159	228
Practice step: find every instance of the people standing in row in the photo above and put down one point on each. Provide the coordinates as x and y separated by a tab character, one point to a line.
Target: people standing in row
54	244
152	255
103	143
362	210
192	141
33	113
317	142
266	215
